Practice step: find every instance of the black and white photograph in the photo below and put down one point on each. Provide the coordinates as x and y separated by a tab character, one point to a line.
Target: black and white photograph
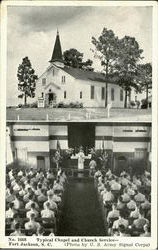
79	125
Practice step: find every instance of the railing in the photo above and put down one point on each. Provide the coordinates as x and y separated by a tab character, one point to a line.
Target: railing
78	173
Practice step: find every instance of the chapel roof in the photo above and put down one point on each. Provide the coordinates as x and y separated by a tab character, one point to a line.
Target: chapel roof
87	75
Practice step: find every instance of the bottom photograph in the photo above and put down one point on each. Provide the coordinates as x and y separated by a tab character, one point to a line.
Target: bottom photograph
78	179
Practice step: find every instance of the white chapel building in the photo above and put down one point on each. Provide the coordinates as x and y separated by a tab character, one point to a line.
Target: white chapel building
60	83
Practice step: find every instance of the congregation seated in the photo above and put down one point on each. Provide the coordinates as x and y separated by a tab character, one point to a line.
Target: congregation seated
125	202
33	200
17	231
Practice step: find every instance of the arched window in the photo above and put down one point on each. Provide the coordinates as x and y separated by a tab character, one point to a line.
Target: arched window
112	94
64	94
80	94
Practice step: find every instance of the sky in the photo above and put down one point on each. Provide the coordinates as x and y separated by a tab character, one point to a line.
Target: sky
31	31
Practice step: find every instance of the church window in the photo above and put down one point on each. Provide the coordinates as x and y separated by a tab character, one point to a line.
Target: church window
80	94
92	92
42	94
121	94
43	81
63	79
64	94
102	93
112	94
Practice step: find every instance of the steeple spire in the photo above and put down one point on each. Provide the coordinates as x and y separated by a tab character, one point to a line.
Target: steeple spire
57	52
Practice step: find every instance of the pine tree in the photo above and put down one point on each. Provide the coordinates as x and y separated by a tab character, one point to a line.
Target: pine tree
107	51
126	65
144	74
26	80
74	58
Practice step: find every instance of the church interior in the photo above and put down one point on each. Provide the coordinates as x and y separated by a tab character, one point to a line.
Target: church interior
78	179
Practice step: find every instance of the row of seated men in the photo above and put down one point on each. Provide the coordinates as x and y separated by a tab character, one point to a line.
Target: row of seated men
125	201
33	201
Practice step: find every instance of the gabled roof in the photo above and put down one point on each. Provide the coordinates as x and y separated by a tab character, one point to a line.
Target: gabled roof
52	84
87	75
57	52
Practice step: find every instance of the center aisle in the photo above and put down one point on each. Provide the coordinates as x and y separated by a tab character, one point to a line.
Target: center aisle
81	213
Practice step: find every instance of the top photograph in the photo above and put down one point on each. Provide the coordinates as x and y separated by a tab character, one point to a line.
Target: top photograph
79	63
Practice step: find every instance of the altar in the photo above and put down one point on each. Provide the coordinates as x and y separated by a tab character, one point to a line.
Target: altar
74	161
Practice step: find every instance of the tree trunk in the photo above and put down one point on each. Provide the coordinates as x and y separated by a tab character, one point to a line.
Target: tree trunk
147	92
25	99
106	85
126	94
106	94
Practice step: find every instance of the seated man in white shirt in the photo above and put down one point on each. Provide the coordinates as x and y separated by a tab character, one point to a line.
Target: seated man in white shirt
32	225
10	196
16	219
53	205
17	231
42	197
27	195
101	186
141	221
39	190
22	191
51	190
130	190
125	197
32	211
58	187
28	204
48	216
10	212
16	187
97	174
131	205
18	203
114	213
92	166
139	197
121	221
108	197
47	212
135	213
116	186
20	173
56	198
30	173
147	232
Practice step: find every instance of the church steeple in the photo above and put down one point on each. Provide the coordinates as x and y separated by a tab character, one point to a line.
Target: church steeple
57	52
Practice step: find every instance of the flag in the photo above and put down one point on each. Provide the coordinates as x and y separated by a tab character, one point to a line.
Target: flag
103	145
58	146
9	153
